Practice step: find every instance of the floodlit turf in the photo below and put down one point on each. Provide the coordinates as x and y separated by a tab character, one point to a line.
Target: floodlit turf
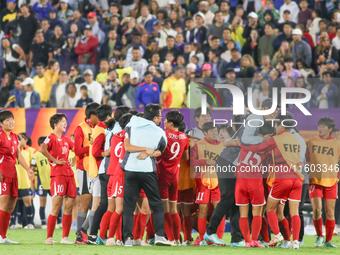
32	242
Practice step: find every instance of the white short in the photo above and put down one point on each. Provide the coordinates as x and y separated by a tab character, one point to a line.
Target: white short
95	187
83	181
126	9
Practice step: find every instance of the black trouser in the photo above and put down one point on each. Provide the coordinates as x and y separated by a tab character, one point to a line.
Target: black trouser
102	208
226	207
304	194
133	183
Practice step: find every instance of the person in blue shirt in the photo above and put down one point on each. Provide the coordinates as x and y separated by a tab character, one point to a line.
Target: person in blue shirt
85	99
14	97
148	91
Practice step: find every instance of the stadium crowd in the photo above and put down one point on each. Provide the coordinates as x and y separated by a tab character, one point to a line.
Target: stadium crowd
77	52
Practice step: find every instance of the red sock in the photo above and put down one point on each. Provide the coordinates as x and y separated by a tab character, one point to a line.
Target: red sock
142	224
135	217
244	226
221	228
104	224
183	228
284	229
150	230
176	222
264	230
318	226
119	235
114	221
256	227
188	228
330	225
273	222
2	223
168	227
202	227
7	220
66	223
296	225
51	225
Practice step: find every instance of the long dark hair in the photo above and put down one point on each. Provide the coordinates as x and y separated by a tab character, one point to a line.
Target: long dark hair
2	47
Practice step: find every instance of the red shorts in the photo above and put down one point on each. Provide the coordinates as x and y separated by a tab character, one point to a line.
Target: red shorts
325	192
115	187
142	194
249	189
205	195
9	186
267	189
64	186
186	196
168	188
284	189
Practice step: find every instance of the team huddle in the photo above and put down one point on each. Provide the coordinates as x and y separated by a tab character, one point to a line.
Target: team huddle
138	178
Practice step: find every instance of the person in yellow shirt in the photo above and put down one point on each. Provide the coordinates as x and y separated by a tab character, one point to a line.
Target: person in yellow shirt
51	76
237	30
173	93
39	80
120	70
103	75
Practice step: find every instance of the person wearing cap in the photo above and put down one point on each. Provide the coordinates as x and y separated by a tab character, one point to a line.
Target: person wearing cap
301	48
8	14
42	8
203	8
96	30
78	19
14	96
201	30
127	94
285	36
68	53
29	26
173	93
137	63
29	98
252	24
163	33
292	7
65	10
286	19
95	90
331	67
147	92
54	20
87	50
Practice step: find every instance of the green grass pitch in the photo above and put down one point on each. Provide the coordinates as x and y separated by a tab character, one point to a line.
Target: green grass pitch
32	242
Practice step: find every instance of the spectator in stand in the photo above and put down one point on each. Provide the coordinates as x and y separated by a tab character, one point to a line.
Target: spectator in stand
151	68
64	10
69	99
325	51
45	25
14	97
29	25
286	19
87	50
301	48
277	82
58	90
305	15
326	93
300	83
79	20
200	33
247	70
39	79
85	99
14	56
173	93
336	39
196	51
252	24
333	69
95	90
146	21
29	98
74	29
203	8
307	35
42	8
265	68
292	7
323	30
226	37
332	30
111	47
227	54
237	30
127	94
153	47
103	75
175	20
265	46
217	28
170	47
54	21
235	62
8	14
285	36
314	26
111	88
225	95
213	44
227	14
290	74
251	46
57	41
283	52
40	52
268	9
68	53
137	63
147	92
136	42
189	34
51	76
213	7
217	63
96	31
75	75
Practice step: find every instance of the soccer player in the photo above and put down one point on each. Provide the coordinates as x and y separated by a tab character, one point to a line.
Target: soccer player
203	157
200	119
56	148
323	152
9	152
82	139
288	178
167	171
249	187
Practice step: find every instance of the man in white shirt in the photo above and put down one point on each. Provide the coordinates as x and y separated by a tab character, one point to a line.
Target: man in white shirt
293	8
336	40
94	89
209	16
137	63
163	33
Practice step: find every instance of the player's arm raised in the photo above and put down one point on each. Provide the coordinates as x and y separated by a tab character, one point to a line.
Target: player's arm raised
22	162
43	150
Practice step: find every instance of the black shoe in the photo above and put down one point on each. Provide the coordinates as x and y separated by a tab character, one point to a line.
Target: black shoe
92	240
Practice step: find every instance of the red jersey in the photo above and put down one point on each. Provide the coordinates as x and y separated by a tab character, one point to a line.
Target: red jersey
8	154
169	161
250	163
117	149
59	149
